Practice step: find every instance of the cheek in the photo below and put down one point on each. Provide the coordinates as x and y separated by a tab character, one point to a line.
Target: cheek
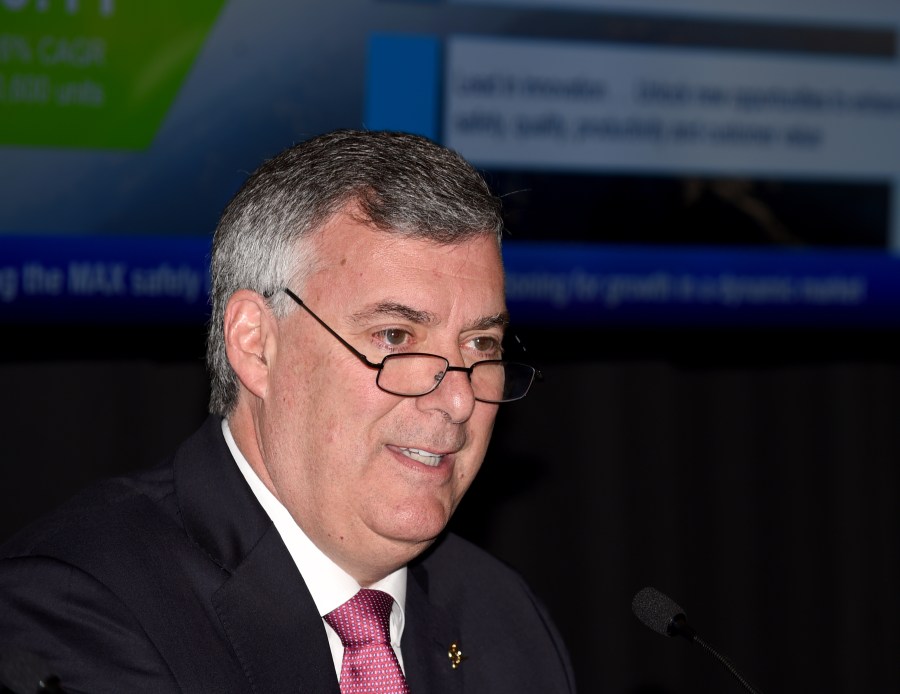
482	422
480	427
350	411
296	417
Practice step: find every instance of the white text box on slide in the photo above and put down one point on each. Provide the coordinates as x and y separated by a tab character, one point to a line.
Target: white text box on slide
552	105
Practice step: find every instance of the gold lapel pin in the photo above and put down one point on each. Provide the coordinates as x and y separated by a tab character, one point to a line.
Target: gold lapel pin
456	655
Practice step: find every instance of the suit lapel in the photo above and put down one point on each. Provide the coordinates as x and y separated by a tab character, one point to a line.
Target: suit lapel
264	606
273	625
427	636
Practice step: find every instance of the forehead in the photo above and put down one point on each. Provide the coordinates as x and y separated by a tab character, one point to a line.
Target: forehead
358	265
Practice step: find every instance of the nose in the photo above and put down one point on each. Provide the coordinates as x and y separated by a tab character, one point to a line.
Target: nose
453	396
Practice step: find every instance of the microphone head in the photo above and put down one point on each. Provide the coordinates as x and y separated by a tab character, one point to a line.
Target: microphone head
656	611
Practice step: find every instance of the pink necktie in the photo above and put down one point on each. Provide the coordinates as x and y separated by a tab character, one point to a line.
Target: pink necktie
370	665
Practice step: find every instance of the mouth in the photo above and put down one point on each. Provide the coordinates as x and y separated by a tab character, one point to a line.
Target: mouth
420	456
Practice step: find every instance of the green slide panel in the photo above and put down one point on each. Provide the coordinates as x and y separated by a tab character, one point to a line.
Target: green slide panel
95	73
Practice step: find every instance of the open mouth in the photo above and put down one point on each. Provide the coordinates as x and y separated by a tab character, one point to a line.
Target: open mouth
420	456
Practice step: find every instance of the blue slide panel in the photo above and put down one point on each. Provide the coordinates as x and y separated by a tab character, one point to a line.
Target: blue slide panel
402	84
165	280
588	285
102	279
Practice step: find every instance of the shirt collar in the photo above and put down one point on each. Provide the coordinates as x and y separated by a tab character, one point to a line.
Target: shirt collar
329	585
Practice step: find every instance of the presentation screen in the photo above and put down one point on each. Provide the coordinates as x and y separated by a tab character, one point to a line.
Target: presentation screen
661	162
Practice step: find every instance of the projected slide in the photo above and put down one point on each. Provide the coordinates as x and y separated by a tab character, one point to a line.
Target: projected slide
679	170
685	162
549	105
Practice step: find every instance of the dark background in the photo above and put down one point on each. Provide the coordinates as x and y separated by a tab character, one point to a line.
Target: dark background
751	476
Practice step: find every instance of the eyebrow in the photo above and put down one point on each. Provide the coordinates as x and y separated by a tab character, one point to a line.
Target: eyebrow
413	315
498	320
394	310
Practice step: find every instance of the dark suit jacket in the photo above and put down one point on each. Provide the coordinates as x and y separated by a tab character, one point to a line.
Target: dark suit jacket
175	580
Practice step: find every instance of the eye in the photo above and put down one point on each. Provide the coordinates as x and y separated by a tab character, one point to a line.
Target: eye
487	345
393	337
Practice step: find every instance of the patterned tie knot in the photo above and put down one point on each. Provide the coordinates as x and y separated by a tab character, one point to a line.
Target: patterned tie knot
363	620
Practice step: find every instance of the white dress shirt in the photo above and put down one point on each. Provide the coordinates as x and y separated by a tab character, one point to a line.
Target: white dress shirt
329	585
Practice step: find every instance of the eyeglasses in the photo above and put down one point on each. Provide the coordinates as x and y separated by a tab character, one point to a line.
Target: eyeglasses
411	374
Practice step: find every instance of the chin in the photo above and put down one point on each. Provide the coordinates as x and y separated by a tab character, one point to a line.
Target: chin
418	524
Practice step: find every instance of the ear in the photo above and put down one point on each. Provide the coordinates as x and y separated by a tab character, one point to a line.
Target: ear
250	339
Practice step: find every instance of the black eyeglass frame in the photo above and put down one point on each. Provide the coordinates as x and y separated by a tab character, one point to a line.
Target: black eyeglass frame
536	375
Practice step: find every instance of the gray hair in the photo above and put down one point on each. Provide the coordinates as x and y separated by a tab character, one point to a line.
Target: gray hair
399	183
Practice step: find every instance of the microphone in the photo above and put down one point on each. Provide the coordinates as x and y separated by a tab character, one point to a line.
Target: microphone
661	614
25	673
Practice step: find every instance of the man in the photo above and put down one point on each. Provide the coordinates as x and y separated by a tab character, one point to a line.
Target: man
356	370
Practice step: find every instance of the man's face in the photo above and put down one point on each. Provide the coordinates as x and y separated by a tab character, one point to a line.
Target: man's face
371	477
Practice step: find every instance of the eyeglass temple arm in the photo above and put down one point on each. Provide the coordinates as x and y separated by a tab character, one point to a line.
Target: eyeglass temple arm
359	355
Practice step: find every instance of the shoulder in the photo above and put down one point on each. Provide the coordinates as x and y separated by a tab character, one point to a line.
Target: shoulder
63	585
98	518
127	533
120	515
108	588
498	617
456	566
450	549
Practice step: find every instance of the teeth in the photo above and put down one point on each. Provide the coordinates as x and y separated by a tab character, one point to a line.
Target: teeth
424	457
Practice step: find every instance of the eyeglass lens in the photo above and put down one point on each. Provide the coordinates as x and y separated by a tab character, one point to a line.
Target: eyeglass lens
418	374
